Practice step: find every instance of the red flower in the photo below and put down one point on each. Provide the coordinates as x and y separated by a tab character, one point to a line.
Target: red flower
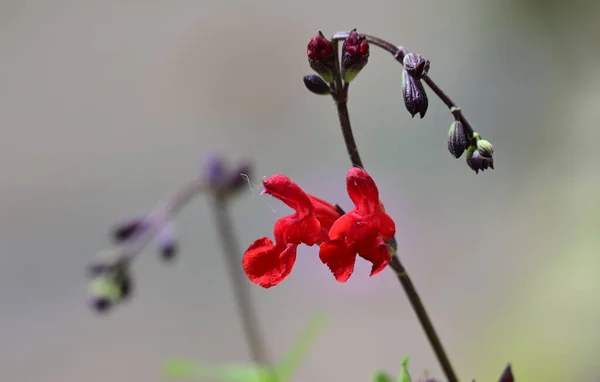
267	263
361	231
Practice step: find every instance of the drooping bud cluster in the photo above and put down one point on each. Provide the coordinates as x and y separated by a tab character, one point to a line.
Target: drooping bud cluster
111	281
413	91
480	154
111	278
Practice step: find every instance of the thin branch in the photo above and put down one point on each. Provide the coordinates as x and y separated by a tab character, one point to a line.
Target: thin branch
153	224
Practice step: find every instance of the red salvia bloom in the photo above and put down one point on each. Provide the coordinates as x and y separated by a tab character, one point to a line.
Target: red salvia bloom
361	231
267	263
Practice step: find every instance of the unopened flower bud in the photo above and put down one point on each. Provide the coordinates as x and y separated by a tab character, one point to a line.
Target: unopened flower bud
355	55
167	242
457	139
125	230
316	85
477	162
416	65
215	170
104	293
321	58
413	92
507	375
485	148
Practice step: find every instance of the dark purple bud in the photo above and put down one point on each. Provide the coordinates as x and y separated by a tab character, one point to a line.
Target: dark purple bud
355	55
416	65
127	229
457	139
167	242
485	148
215	170
507	375
320	57
100	304
413	92
477	162
315	84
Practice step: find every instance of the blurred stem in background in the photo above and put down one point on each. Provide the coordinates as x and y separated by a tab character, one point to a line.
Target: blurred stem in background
231	249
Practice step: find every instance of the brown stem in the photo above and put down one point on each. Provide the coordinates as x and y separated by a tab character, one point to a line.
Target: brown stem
340	96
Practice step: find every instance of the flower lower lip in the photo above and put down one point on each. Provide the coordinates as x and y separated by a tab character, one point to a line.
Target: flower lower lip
264	191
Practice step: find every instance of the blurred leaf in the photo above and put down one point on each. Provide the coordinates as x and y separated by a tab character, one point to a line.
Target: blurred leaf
290	362
382	376
404	374
186	369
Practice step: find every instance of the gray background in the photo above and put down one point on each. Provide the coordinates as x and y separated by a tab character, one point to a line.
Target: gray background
107	106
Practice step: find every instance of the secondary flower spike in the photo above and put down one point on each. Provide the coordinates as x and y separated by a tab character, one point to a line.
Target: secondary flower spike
267	263
361	231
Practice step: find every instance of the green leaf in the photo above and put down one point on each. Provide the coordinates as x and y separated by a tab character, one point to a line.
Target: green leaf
178	368
288	366
186	369
404	374
382	376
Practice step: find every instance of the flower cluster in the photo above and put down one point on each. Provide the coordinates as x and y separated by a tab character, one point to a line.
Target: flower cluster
341	237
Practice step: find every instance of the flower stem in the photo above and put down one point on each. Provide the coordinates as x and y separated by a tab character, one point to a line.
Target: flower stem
340	96
243	298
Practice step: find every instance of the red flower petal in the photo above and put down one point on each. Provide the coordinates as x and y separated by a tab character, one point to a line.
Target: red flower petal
339	258
266	264
363	191
342	226
377	252
327	214
385	225
282	188
291	230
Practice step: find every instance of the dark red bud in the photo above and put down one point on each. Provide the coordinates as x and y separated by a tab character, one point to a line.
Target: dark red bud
321	58
319	48
355	55
356	44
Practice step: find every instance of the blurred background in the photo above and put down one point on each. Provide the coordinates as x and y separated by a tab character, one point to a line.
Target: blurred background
107	106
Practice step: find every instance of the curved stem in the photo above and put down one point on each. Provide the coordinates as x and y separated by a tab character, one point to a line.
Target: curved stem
243	298
340	95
